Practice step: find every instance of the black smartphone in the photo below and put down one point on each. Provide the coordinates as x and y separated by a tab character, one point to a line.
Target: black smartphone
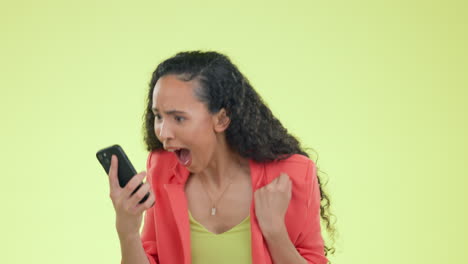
125	170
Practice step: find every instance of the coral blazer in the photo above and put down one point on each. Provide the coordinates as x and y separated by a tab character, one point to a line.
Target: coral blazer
166	231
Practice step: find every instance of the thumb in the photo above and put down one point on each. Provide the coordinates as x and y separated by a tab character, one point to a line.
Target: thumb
113	179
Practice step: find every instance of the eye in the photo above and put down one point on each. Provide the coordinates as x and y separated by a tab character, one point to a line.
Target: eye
179	118
157	116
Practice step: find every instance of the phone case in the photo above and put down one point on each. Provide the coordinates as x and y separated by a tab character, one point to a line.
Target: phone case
125	169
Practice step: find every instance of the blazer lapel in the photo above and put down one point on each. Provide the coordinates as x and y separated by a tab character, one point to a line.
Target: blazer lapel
260	253
179	207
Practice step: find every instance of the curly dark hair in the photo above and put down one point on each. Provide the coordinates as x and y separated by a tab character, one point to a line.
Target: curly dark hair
253	132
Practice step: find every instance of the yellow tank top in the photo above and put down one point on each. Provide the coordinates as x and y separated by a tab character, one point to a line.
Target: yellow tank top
230	247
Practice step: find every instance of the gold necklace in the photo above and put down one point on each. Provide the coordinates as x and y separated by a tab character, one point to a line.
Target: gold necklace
213	207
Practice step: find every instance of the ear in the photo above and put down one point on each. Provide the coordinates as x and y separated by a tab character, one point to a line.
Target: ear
221	121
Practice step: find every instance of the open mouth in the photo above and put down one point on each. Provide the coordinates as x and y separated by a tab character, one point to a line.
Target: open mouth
183	155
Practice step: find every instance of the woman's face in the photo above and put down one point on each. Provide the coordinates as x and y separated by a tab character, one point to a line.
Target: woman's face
181	121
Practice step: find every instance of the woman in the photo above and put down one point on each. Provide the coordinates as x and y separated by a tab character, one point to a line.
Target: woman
227	183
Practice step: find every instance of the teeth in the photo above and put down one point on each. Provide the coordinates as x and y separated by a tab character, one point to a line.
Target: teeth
173	150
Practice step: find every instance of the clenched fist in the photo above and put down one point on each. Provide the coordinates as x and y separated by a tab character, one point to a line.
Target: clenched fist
271	203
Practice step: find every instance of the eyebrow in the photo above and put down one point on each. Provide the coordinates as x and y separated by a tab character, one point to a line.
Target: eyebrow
170	112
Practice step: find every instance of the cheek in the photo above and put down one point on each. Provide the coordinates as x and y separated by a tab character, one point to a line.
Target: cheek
194	130
203	136
157	129
200	139
204	145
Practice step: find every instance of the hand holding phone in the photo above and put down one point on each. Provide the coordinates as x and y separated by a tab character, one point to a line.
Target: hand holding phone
129	195
125	172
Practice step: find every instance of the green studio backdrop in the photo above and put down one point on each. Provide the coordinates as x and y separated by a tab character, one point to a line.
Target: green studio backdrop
377	88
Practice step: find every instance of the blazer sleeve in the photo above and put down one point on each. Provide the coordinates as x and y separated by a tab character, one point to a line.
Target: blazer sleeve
148	234
310	243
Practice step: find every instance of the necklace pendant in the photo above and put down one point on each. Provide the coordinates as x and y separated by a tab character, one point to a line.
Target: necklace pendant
213	211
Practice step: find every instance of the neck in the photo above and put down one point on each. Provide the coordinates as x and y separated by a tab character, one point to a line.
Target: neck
225	167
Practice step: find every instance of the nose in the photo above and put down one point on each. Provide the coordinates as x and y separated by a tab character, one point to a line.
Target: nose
163	131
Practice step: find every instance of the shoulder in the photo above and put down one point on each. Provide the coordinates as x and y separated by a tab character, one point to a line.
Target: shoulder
299	168
160	161
160	158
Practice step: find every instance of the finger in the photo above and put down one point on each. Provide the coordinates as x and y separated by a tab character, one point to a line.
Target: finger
147	204
278	178
271	186
133	183
274	182
257	196
283	179
139	195
113	179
